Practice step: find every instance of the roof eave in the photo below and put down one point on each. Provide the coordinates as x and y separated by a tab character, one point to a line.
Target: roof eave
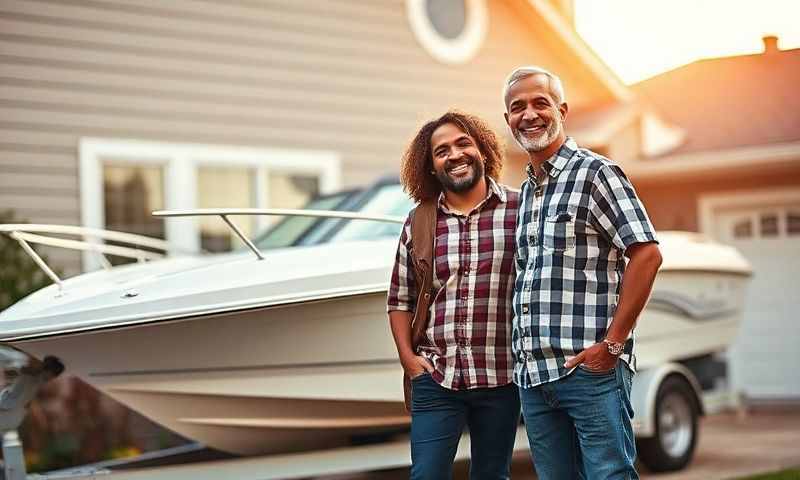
755	158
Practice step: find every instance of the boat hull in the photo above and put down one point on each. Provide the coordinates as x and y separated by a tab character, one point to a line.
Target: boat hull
690	314
269	380
319	374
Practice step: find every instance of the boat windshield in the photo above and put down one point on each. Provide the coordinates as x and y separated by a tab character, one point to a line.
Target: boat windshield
289	230
384	198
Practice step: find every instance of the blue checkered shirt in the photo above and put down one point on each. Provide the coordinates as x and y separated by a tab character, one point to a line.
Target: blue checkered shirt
572	231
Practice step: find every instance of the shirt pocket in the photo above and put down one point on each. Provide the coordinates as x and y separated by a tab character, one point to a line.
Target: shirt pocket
558	235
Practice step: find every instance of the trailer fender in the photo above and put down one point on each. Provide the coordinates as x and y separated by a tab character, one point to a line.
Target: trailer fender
644	391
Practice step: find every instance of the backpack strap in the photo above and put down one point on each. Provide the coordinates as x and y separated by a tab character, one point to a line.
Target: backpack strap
423	231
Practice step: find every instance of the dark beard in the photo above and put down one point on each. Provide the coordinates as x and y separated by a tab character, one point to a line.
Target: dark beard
461	185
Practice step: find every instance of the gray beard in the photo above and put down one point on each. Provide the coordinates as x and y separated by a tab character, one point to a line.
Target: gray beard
542	141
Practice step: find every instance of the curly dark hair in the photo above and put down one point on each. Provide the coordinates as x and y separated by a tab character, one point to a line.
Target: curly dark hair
417	161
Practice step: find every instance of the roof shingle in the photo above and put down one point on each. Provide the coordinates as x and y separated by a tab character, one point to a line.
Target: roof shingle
730	102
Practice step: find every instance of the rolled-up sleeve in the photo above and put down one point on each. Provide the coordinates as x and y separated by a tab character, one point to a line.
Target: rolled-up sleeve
402	286
616	210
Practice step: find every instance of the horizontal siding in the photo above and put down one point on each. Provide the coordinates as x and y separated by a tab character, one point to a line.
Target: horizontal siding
361	80
63	184
34	162
179	109
37	200
120	123
341	75
180	30
15	136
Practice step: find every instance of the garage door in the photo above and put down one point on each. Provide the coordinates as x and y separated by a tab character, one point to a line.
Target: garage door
765	359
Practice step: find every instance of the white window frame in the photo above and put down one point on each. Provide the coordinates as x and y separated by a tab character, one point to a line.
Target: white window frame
711	204
457	50
180	163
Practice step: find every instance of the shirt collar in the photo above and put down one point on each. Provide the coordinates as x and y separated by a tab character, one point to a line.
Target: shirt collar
555	164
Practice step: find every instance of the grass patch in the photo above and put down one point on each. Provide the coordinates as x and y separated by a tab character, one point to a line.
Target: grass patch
791	474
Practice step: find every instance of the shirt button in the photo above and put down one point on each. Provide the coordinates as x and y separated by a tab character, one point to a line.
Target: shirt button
525	309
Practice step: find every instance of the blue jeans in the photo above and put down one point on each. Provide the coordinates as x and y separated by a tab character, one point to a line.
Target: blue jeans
438	417
580	426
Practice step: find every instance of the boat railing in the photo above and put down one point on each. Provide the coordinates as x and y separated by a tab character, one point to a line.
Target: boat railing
225	213
31	233
132	244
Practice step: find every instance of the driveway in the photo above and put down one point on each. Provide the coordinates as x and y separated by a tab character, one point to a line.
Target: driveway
731	446
734	446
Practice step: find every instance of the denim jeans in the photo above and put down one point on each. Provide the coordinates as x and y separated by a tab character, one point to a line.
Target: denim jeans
438	417
580	426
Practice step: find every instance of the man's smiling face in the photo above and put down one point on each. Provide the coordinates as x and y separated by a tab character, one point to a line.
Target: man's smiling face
533	114
457	161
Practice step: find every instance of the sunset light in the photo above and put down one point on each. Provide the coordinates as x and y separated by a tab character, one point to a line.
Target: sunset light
639	39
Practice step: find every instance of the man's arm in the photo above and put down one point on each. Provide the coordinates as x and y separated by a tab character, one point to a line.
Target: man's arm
413	364
640	274
617	213
637	282
401	302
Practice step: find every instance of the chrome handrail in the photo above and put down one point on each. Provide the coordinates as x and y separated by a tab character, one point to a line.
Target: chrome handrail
140	255
27	233
283	212
122	237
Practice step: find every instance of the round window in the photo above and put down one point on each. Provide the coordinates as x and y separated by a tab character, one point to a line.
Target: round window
452	31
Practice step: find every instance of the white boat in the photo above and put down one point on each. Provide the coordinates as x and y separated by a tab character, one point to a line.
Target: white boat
293	352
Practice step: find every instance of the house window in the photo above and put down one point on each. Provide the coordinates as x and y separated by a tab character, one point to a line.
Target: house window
123	181
448	17
224	187
769	225
452	31
793	223
130	193
743	229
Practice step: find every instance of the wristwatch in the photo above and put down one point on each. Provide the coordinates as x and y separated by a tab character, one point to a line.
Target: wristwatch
614	348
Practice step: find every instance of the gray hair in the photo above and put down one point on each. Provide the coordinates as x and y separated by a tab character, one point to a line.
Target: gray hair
555	85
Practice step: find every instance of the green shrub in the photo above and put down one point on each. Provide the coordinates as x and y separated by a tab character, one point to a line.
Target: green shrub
19	274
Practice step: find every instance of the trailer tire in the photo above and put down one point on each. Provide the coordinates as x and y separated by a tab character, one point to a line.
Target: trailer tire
676	427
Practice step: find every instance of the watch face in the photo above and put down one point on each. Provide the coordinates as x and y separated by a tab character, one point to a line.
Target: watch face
615	348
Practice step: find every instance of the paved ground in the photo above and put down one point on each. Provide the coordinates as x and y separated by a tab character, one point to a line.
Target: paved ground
734	446
731	446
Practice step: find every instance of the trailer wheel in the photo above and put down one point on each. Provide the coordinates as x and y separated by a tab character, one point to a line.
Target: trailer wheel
676	414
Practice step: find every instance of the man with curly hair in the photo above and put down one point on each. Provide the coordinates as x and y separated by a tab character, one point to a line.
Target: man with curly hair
461	372
576	297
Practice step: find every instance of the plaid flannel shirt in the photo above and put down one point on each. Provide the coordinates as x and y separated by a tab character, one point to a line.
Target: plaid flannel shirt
468	339
572	232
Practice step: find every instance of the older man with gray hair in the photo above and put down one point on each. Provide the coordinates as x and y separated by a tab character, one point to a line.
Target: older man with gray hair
576	299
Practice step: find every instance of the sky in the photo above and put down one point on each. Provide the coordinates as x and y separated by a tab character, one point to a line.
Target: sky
642	38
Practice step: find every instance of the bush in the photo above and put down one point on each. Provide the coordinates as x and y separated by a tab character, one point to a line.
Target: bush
19	274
